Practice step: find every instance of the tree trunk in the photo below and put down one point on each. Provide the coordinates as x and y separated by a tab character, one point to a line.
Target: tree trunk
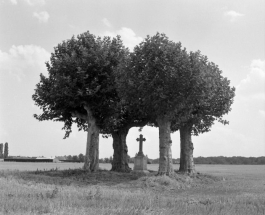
92	148
120	156
186	151
165	159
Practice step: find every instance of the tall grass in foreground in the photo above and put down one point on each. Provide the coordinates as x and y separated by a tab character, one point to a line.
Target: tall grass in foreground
20	196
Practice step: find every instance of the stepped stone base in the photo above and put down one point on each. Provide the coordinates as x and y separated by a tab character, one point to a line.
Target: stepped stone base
140	164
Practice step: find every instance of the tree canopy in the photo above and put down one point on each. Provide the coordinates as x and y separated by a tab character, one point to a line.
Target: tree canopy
80	73
208	96
151	77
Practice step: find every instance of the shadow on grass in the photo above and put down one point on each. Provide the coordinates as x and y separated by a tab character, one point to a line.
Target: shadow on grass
80	177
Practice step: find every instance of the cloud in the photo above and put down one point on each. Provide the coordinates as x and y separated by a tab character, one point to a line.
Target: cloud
3	134
250	93
106	22
42	16
233	15
262	112
19	60
246	120
30	2
35	2
128	36
253	86
14	2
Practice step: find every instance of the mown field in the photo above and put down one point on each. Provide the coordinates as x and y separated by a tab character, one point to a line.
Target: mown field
53	188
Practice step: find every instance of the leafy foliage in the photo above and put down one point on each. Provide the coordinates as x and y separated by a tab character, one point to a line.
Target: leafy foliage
151	77
208	96
161	78
80	73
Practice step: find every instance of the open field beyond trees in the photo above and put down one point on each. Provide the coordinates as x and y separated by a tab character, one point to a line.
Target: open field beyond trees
217	189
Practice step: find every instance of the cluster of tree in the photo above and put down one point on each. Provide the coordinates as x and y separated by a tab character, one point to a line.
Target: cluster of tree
3	150
106	160
73	158
100	86
156	161
230	160
130	160
220	160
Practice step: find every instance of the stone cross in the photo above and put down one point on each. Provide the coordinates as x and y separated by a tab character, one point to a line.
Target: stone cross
141	139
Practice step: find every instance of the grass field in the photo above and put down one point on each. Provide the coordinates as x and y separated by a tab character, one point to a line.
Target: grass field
218	189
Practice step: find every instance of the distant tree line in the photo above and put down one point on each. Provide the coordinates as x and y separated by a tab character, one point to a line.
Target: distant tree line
220	160
72	158
235	160
156	161
230	160
106	160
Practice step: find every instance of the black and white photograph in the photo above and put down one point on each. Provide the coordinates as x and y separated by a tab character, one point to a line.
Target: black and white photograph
132	107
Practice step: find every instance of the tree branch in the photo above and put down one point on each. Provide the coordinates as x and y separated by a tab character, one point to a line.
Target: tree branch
138	124
79	115
89	112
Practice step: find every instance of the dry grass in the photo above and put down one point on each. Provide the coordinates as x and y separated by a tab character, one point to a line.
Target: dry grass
79	192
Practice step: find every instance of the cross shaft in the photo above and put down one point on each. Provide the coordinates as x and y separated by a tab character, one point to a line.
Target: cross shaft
140	140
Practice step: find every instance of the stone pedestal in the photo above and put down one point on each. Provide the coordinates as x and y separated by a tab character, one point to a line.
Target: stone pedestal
140	164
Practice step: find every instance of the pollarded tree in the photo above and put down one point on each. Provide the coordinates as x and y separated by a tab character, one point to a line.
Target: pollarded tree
81	84
153	80
207	98
6	151
80	87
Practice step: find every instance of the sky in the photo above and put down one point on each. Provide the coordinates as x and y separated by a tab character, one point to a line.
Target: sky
230	33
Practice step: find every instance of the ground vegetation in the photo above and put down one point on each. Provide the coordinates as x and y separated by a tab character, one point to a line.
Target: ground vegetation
107	192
